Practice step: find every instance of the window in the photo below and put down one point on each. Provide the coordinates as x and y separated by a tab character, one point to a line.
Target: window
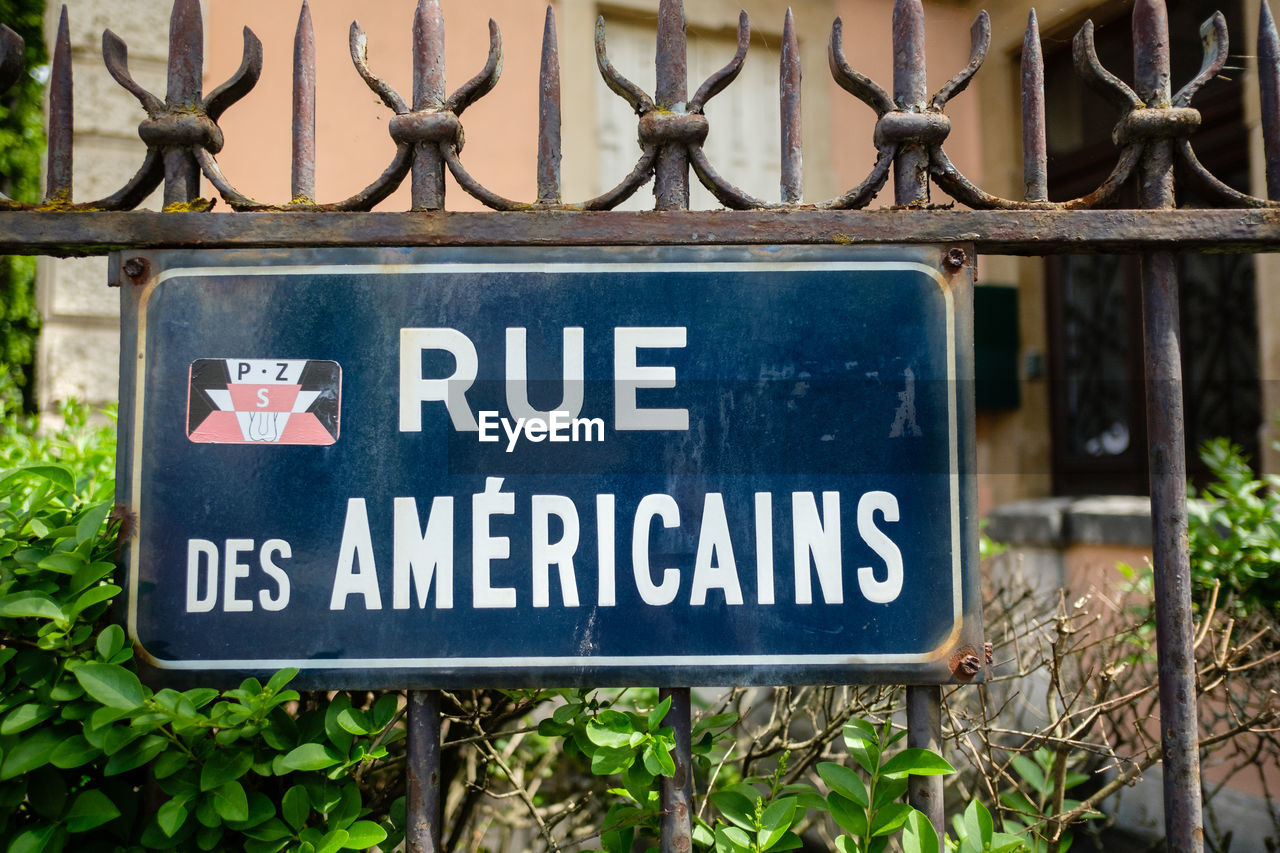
1094	301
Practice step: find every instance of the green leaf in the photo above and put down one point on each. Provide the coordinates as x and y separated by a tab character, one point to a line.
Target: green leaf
1031	774
113	686
59	475
91	520
977	824
918	834
281	679
110	641
34	840
363	834
230	802
788	841
92	808
613	737
271	830
168	763
26	716
30	605
310	756
775	821
172	815
638	780
95	595
29	753
63	562
607	761
736	808
261	809
715	721
845	844
1003	842
339	739
850	816
223	766
916	762
295	806
845	781
666	764
332	842
135	755
888	791
384	710
658	714
354	721
73	752
889	819
733	840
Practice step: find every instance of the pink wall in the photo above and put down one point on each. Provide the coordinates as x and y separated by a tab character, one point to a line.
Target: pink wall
351	121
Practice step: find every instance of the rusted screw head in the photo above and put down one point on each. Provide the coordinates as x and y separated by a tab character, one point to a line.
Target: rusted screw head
136	269
956	257
969	665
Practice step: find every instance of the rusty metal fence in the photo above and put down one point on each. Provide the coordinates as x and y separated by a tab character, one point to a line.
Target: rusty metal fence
182	139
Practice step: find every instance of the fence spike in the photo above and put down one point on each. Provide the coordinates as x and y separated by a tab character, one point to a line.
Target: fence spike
1269	84
1034	157
908	54
186	66
789	96
549	114
428	55
186	54
61	102
303	185
427	183
911	161
671	180
1151	73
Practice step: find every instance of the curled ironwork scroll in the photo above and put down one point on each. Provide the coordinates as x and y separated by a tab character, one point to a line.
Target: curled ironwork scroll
182	136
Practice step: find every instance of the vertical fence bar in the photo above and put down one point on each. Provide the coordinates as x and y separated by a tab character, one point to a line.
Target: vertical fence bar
671	190
1166	453
789	100
1035	169
59	163
427	182
911	188
671	175
676	793
911	163
1269	90
549	151
186	64
924	731
422	783
303	184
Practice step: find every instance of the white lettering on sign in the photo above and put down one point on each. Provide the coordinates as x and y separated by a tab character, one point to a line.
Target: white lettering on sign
205	567
560	427
424	556
559	424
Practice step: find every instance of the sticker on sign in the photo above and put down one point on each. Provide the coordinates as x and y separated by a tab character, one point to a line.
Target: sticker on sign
263	401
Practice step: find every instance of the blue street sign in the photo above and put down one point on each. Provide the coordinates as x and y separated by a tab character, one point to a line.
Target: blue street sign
550	466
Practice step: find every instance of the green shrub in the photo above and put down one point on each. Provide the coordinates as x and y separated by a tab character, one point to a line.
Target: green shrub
1234	531
92	759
